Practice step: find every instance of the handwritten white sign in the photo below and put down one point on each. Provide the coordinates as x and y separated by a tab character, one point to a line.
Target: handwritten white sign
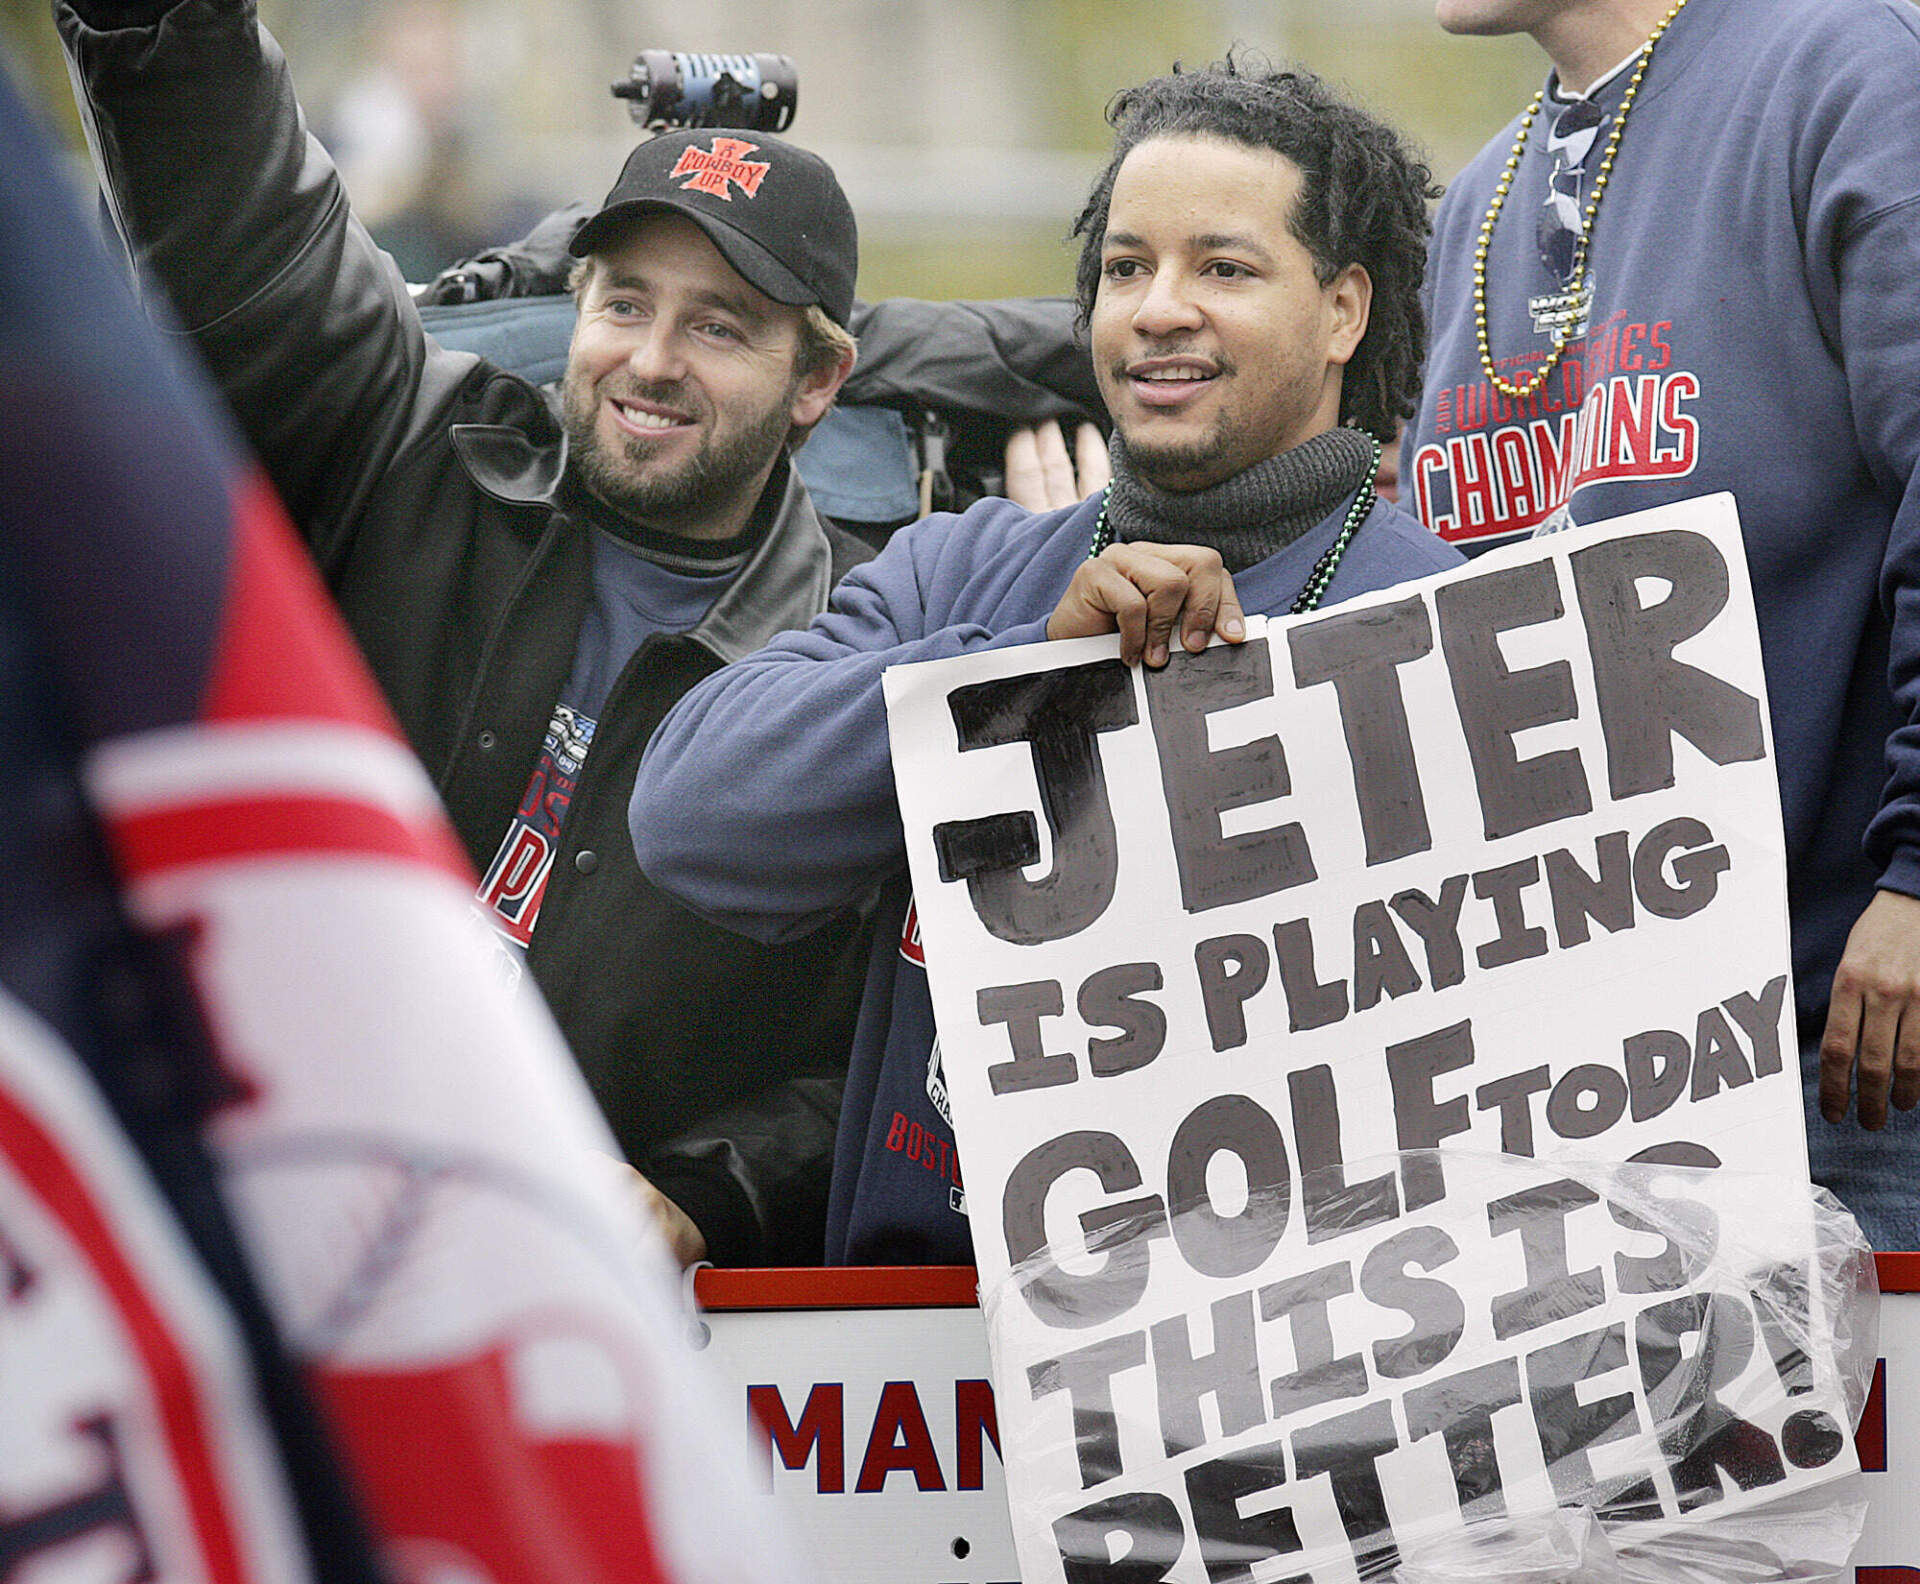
1280	992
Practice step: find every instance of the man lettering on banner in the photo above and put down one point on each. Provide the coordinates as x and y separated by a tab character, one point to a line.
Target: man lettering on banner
1689	267
1249	270
535	588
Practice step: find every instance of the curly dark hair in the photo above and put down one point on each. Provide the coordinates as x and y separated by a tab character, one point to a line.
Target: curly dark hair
1363	200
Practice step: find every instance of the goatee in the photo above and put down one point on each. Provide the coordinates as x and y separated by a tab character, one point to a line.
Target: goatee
629	478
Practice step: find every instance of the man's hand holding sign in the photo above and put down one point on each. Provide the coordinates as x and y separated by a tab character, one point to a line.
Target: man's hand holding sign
1147	594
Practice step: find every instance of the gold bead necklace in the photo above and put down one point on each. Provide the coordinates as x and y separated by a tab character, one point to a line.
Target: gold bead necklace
1563	336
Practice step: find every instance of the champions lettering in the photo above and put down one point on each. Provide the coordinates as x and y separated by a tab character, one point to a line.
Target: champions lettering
1614	409
1509	479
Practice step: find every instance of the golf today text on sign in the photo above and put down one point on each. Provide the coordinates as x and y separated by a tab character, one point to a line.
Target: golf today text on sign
1362	1043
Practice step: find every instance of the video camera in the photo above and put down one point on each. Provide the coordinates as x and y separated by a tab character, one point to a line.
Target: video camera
670	88
664	89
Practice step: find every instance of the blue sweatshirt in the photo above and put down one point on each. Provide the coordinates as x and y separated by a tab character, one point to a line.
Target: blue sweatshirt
766	803
1754	327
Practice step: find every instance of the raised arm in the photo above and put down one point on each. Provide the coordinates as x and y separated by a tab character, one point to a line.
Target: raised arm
235	213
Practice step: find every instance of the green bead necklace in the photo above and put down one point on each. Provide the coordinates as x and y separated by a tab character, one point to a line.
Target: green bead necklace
1321	576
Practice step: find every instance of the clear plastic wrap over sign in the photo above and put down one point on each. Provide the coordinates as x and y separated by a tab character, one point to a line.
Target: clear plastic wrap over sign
1551	1373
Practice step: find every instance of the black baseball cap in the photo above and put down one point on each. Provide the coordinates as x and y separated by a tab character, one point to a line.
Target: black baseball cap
775	212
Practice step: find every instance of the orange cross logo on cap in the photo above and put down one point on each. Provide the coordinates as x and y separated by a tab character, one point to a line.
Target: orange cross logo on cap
710	170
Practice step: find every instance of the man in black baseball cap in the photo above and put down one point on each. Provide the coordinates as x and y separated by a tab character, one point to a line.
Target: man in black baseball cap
679	429
534	586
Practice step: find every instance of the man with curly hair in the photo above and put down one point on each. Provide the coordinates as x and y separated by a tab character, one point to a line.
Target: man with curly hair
1250	280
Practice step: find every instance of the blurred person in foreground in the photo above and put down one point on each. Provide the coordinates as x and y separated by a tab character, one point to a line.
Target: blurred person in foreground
1690	266
276	1301
1250	273
535	587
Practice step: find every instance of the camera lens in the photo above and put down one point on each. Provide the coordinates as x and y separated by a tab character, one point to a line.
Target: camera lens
672	88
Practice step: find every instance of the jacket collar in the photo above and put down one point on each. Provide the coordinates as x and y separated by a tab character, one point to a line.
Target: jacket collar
783	584
507	464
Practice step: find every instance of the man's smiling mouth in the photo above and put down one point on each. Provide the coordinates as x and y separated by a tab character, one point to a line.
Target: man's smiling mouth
636	417
1168	381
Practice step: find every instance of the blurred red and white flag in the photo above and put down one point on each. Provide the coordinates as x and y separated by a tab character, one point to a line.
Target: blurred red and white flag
309	1268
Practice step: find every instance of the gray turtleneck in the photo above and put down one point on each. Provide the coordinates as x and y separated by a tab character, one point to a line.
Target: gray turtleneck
1251	515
